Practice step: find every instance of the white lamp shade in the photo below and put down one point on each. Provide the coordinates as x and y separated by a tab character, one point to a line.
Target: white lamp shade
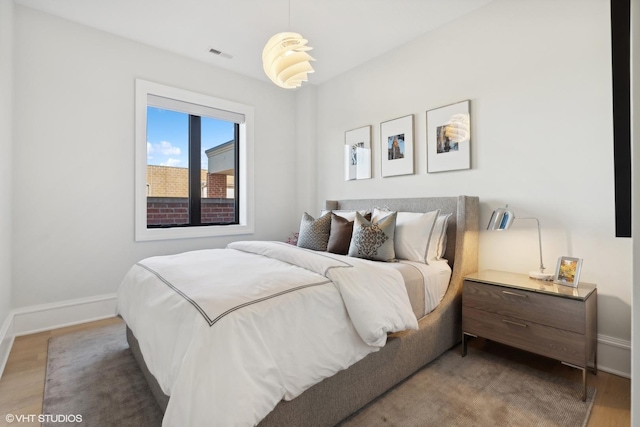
285	60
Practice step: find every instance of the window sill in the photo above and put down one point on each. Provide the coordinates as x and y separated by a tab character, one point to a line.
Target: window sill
150	234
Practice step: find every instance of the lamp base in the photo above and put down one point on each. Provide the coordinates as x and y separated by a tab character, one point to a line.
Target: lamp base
536	274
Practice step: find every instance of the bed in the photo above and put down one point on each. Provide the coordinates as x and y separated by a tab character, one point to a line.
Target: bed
398	354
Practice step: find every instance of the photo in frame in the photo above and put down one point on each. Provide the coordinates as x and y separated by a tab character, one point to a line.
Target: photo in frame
357	153
568	271
396	146
449	138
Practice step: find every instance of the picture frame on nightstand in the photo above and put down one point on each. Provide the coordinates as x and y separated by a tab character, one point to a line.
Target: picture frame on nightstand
568	271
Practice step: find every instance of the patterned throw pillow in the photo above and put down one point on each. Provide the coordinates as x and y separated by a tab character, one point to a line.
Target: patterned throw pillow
341	232
314	233
373	240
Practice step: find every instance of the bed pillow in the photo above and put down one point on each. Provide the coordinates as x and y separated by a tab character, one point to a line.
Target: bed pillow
342	230
347	214
373	239
314	233
340	235
413	234
438	241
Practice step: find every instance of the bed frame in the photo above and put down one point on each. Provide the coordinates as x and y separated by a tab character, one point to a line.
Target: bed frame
337	397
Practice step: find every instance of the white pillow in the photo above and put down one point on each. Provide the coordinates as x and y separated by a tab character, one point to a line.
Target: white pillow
438	240
413	233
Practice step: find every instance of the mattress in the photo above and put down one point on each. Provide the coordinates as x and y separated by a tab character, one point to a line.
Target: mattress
426	284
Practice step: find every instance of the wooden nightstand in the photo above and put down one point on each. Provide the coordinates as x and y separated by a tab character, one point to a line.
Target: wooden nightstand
555	321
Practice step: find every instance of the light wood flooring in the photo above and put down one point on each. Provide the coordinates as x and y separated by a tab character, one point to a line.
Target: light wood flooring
22	384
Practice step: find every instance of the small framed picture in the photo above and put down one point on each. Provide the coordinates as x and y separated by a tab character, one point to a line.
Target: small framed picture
568	271
357	153
396	146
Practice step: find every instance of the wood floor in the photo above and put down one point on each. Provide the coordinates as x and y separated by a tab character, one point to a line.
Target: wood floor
22	384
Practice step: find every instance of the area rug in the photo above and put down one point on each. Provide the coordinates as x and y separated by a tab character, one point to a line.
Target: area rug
93	374
478	390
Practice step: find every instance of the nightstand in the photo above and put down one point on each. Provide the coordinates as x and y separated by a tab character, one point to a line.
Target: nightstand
556	321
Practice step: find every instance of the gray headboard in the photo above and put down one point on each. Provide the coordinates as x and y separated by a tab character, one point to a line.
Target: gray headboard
464	210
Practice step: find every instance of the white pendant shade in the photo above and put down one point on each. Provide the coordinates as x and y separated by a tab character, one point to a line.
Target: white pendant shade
286	61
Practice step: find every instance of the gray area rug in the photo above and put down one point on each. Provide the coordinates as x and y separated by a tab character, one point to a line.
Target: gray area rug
478	390
93	374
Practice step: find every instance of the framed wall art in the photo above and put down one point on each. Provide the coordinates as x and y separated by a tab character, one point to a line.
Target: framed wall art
568	271
396	146
357	153
448	138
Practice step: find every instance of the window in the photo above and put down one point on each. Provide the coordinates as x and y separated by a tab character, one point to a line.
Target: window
192	165
193	171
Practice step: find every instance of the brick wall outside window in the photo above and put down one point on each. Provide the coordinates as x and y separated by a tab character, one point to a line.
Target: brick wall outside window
216	185
168	181
174	210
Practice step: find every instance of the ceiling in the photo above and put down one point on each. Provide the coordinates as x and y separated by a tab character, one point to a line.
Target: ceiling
343	33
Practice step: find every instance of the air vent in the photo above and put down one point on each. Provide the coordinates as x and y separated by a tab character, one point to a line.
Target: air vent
220	53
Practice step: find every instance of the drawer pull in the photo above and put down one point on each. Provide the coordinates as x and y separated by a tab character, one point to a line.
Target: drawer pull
514	323
514	294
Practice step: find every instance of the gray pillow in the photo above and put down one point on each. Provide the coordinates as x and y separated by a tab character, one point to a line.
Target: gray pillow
373	240
314	233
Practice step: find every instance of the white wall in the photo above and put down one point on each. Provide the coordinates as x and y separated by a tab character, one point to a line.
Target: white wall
73	171
6	143
306	134
538	74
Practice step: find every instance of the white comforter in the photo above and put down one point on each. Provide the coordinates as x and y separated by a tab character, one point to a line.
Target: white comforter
228	333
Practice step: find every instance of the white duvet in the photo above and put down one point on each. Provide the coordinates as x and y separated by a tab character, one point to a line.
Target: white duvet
228	333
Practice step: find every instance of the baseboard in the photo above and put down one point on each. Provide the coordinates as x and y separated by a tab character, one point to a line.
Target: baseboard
6	341
614	356
44	317
38	318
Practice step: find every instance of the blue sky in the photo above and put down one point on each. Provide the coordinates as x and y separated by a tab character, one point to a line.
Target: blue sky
167	134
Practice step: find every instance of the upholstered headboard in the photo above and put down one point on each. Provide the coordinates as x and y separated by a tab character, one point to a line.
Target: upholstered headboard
464	210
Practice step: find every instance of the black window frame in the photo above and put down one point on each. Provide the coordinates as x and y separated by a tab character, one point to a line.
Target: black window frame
194	145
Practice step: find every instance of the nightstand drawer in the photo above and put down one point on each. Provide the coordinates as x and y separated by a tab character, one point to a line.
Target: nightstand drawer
567	314
555	343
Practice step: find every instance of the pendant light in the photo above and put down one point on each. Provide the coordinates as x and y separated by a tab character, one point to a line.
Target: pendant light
285	59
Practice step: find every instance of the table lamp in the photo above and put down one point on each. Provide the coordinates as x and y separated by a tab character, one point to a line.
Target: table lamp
501	219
